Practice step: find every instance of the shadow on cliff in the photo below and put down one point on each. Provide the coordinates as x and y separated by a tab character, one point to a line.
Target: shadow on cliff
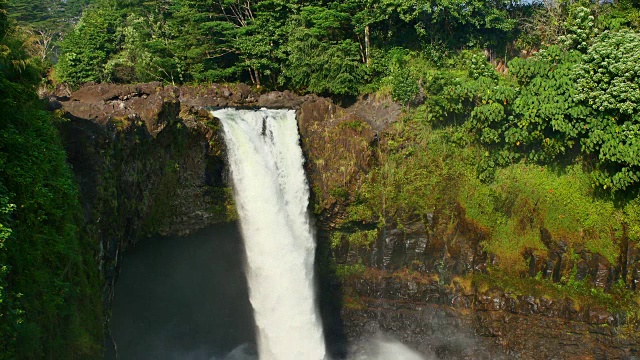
329	290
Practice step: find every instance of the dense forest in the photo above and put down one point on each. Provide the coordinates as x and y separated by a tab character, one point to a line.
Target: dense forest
526	106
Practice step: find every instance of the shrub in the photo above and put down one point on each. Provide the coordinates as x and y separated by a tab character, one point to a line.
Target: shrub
608	81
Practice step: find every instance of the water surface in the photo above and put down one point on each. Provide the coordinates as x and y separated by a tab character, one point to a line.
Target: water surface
183	298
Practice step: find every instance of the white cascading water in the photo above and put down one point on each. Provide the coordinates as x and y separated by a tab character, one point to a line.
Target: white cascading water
272	194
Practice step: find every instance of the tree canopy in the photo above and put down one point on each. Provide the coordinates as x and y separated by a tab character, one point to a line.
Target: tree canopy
316	46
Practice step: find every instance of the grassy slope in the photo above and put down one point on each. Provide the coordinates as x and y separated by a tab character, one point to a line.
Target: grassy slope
422	169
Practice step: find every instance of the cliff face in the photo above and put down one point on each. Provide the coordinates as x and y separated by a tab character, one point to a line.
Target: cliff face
149	159
450	307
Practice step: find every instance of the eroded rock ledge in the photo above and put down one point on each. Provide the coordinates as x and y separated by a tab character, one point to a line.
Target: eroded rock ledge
157	105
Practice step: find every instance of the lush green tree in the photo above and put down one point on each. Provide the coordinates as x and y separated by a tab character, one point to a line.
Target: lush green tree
531	114
9	312
320	58
255	33
88	47
457	22
622	13
160	41
541	115
368	19
174	41
265	42
608	81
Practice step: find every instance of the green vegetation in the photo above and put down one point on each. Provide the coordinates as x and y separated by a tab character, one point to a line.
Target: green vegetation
517	152
50	304
46	22
526	198
608	79
331	47
345	271
424	170
52	17
88	47
581	293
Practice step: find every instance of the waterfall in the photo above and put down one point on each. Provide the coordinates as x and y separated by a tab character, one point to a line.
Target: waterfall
272	194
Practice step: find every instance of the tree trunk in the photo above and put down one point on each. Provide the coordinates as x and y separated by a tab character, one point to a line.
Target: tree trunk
363	56
257	77
367	45
253	79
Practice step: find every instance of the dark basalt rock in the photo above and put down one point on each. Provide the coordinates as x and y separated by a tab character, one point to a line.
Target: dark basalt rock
453	323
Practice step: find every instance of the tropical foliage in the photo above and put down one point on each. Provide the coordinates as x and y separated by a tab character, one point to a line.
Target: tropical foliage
608	82
325	47
49	291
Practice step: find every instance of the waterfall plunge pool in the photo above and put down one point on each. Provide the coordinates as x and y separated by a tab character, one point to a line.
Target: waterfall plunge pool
186	298
183	298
